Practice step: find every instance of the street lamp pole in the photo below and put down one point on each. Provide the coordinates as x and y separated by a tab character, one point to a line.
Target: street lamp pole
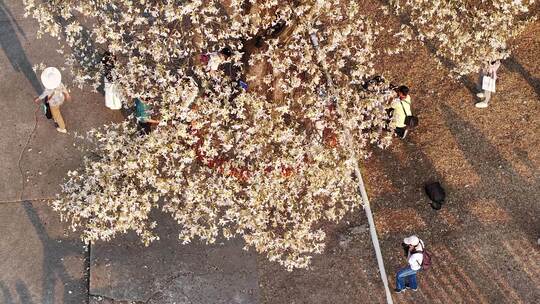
373	233
361	188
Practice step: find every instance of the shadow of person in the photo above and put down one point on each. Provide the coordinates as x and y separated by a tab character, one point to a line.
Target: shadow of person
54	251
13	49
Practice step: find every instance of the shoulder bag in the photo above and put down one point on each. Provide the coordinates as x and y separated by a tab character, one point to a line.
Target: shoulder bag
411	121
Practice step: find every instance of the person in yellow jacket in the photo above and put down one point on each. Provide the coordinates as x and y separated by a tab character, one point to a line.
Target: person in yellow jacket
401	108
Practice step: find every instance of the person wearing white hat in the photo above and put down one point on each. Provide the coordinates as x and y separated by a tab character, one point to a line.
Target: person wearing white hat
56	93
406	277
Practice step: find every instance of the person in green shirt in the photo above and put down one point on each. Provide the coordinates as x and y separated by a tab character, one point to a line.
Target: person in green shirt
143	116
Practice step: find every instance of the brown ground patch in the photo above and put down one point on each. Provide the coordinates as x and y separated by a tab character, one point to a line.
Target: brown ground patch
489	213
484	238
395	221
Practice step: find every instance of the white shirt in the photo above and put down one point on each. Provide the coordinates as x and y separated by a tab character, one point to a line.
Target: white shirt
113	95
214	61
57	95
415	259
399	115
491	69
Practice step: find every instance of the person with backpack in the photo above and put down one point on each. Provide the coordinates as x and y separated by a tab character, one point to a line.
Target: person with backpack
406	276
53	96
402	112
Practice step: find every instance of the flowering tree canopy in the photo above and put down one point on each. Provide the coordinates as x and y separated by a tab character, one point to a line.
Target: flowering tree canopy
466	34
271	163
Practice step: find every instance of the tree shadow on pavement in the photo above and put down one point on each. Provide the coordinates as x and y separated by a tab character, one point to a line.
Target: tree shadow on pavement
498	178
514	195
54	251
483	156
6	295
22	290
462	273
24	295
13	48
513	65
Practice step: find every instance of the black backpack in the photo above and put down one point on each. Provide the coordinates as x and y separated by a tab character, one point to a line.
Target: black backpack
46	108
436	194
411	121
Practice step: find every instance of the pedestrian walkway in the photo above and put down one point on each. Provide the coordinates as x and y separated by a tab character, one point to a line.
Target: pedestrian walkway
168	272
43	265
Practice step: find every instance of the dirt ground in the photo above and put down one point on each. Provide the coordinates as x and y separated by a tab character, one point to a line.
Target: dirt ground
485	238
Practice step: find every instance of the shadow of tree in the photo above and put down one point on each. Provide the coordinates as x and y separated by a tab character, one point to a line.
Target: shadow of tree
54	251
13	49
498	176
466	81
6	295
520	200
513	65
24	295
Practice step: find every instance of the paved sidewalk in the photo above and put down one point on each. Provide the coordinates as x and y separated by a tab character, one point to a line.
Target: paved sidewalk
49	154
40	264
168	272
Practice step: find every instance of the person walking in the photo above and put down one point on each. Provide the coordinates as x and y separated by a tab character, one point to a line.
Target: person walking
113	94
401	109
406	276
55	94
488	79
143	116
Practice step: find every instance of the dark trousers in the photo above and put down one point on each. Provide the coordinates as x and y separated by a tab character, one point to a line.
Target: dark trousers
400	132
144	127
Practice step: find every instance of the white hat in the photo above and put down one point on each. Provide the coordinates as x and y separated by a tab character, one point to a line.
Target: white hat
412	240
51	78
